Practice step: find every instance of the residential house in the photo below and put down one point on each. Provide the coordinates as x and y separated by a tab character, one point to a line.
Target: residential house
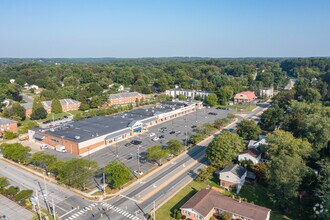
124	98
207	203
232	176
189	94
255	144
245	97
28	108
250	154
7	125
266	92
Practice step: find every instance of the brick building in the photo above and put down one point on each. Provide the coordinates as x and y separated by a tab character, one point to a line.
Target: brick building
7	125
67	105
244	97
124	98
207	203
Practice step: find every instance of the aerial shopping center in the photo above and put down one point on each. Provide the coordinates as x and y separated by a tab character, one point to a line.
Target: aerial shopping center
92	134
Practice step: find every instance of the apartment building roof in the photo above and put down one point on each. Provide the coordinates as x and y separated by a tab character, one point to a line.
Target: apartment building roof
5	121
124	95
206	199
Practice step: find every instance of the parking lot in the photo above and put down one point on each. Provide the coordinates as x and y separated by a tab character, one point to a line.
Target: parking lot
181	126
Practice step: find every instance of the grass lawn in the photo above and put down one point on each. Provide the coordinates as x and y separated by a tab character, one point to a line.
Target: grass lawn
74	112
245	108
258	195
56	116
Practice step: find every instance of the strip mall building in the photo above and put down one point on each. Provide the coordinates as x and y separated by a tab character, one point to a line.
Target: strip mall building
91	134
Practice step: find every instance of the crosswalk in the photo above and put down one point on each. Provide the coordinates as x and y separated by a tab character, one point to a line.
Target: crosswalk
81	212
120	211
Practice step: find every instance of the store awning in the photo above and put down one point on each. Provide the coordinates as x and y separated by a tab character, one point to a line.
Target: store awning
116	134
38	137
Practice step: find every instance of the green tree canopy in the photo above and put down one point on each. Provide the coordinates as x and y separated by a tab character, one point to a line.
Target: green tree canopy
248	130
117	174
211	99
174	146
56	106
16	152
43	160
271	118
224	148
156	153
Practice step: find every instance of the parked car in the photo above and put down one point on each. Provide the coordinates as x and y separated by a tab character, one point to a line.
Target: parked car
130	156
172	132
128	144
194	126
136	172
212	113
136	142
44	146
161	136
152	134
155	139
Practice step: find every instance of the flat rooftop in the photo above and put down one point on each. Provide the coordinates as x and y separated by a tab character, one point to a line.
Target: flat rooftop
90	128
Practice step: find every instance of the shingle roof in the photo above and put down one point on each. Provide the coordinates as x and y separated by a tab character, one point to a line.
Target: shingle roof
235	169
4	121
27	105
207	199
124	95
253	152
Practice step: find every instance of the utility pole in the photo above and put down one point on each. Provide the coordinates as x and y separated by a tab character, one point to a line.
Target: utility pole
104	186
45	184
154	210
38	203
54	209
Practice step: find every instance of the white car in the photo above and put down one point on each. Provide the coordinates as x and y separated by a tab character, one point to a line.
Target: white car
44	146
136	172
152	134
155	139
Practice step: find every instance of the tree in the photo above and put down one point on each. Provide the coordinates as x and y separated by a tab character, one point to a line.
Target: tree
3	183
211	99
225	93
156	153
224	148
43	160
284	143
95	102
74	172
174	146
56	106
181	97
15	112
260	170
117	174
226	216
24	194
323	187
39	113
9	135
15	152
271	118
248	130
284	178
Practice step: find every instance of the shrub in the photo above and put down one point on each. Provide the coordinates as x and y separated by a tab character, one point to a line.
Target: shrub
11	191
231	116
9	135
226	216
24	194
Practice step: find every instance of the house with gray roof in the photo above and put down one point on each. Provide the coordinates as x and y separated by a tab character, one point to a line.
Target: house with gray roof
232	175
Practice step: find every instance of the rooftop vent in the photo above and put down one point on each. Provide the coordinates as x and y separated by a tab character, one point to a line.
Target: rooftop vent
77	137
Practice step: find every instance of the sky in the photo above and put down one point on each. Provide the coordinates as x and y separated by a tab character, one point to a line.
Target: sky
167	28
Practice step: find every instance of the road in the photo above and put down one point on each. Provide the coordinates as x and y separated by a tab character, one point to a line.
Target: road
135	202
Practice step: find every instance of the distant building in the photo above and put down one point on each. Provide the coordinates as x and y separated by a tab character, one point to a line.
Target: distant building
7	125
244	97
207	203
124	98
38	91
232	175
250	154
266	93
67	105
33	87
256	144
189	94
12	80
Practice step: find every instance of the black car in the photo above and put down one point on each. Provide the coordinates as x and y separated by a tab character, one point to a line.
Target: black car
128	144
172	132
161	137
194	126
212	113
130	156
136	142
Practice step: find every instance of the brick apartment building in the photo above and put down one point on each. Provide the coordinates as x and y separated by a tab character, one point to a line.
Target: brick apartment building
7	125
67	105
124	98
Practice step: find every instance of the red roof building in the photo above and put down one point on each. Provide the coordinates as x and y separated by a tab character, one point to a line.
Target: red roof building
207	203
244	97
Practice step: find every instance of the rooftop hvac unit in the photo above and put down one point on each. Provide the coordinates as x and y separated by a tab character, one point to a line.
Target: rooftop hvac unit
52	129
77	137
